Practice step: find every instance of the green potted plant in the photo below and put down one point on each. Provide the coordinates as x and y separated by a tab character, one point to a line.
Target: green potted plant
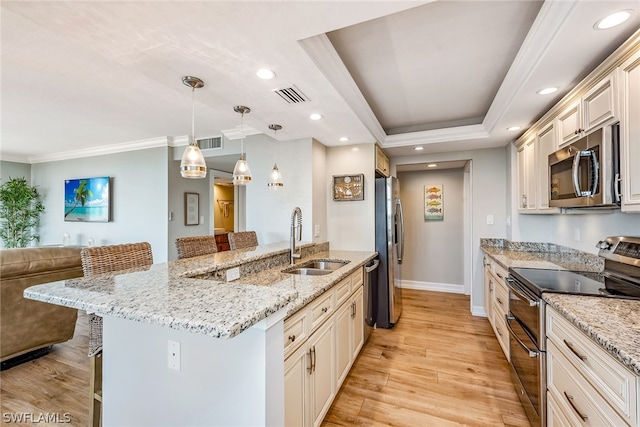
20	210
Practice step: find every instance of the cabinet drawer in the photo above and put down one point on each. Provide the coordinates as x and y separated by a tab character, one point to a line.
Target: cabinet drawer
357	278
500	295
295	331
500	273
578	400
615	382
502	333
342	291
322	309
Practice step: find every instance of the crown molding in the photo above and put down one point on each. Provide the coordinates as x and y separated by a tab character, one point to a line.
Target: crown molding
545	29
436	135
99	151
14	158
324	55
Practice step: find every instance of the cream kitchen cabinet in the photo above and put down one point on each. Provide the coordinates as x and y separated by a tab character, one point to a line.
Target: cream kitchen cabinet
630	133
526	160
321	342
595	108
382	162
547	142
310	379
497	301
585	384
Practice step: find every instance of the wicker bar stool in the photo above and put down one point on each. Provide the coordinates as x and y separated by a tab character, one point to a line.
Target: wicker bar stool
242	239
98	260
196	245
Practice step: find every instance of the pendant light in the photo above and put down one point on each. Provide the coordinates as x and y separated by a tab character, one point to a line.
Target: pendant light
241	172
192	164
275	177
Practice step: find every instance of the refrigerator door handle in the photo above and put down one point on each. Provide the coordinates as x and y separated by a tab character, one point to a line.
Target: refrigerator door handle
401	242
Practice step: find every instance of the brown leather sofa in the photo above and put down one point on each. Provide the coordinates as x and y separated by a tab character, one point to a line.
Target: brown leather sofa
27	325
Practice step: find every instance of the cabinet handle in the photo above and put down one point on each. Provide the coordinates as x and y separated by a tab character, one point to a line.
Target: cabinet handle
574	351
353	310
500	276
500	301
570	400
313	365
524	200
292	338
325	309
310	368
498	331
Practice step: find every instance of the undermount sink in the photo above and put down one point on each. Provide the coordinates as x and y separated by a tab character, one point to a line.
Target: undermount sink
316	267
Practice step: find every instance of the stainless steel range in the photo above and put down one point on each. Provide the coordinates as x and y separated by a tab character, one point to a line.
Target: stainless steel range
526	318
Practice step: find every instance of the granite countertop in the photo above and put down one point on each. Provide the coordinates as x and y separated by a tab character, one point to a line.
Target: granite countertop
540	255
175	294
613	323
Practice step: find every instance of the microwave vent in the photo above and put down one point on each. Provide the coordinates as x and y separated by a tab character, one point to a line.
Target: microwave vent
291	95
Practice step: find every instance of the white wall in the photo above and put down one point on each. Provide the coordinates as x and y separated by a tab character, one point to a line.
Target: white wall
177	186
488	197
432	246
269	211
319	215
139	197
351	224
14	170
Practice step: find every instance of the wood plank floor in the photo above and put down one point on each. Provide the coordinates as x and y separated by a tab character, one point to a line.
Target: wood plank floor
57	383
439	366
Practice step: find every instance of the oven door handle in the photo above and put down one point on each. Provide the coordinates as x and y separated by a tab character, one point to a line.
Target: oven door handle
532	353
516	290
618	277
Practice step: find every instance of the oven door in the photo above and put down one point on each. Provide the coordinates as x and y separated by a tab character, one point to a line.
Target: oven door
527	364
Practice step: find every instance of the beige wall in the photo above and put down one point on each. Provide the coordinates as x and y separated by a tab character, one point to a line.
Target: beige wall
223	218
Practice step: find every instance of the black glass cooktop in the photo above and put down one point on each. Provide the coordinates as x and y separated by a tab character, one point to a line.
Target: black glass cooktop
562	281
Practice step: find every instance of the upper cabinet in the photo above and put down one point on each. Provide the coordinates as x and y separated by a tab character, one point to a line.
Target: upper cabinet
593	109
382	162
611	93
630	133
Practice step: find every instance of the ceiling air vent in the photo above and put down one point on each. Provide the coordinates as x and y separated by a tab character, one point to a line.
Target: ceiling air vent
214	143
291	94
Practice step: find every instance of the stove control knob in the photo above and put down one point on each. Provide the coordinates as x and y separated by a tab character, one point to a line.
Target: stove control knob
604	245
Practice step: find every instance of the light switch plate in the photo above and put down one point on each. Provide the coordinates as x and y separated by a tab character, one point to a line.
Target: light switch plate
490	219
316	232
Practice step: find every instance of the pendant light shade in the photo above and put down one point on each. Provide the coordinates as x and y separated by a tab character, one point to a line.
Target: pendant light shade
242	172
192	164
275	177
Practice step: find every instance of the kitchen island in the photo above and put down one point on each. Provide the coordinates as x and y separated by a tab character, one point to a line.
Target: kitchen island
222	338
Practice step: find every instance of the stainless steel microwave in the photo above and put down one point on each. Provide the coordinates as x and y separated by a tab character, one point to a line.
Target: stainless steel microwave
587	172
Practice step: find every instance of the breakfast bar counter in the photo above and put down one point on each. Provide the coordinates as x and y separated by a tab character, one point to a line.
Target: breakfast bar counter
229	334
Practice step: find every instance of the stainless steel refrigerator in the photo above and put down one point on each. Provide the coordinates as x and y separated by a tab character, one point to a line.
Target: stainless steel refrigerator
390	247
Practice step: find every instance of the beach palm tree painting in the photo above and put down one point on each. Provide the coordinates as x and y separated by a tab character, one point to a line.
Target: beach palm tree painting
87	200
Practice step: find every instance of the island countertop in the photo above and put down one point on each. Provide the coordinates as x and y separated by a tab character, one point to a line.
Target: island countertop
179	295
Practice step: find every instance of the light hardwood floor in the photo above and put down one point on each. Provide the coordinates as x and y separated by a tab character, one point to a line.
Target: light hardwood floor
439	366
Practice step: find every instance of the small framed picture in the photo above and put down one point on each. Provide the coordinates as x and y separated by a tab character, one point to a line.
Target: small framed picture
348	187
191	208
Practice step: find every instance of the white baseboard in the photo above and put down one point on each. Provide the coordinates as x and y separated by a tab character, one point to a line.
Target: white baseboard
430	286
478	311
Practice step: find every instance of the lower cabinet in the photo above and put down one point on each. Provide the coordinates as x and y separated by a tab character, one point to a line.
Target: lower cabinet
586	385
496	301
316	369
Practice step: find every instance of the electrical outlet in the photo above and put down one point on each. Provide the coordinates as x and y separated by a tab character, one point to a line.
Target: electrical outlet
576	234
233	274
174	355
489	219
316	232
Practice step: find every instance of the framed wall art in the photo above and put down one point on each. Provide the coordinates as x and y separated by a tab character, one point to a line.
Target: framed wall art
191	208
348	187
433	203
87	199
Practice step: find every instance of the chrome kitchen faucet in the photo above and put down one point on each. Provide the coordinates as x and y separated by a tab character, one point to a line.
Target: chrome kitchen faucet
297	212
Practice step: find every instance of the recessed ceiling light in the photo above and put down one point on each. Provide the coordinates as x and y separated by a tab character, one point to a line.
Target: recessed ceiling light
344	139
612	20
432	165
547	90
514	128
418	148
315	116
265	74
